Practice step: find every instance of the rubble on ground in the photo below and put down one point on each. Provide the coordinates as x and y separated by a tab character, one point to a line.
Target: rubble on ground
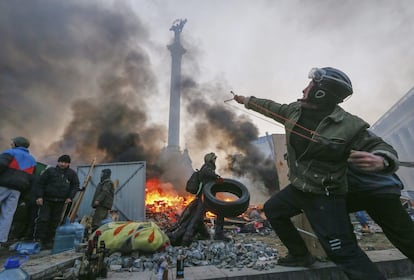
232	255
254	245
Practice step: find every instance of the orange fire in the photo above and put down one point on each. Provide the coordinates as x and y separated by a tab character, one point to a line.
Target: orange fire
164	198
160	196
225	196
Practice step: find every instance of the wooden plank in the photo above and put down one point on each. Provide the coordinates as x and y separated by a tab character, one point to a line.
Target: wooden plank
300	221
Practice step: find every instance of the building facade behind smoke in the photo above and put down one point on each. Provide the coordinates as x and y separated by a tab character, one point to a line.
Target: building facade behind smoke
396	127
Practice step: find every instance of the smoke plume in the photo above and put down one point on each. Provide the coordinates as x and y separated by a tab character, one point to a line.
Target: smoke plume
81	71
75	78
218	127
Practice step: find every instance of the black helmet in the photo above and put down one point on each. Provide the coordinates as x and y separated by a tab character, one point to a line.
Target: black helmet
332	86
209	157
20	141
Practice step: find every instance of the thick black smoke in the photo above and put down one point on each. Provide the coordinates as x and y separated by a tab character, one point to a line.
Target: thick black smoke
83	63
115	123
79	69
232	134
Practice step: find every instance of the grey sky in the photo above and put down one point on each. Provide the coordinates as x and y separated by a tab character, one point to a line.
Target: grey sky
63	63
266	48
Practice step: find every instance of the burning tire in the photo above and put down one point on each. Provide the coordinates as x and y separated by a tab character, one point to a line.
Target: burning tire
222	207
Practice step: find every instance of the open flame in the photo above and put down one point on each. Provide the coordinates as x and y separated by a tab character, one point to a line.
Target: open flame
161	196
164	204
225	196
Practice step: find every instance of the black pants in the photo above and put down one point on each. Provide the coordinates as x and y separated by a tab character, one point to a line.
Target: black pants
330	221
20	218
33	212
219	226
387	211
196	221
48	220
189	224
24	221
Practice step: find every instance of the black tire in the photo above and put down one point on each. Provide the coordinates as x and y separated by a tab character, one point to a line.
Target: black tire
226	208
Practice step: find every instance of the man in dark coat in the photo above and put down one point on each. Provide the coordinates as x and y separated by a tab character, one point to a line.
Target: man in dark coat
56	187
103	198
16	169
207	175
191	221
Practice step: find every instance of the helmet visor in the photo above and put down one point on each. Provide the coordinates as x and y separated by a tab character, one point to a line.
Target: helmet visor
316	74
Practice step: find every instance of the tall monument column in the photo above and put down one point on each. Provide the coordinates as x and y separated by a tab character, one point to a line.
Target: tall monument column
177	51
176	165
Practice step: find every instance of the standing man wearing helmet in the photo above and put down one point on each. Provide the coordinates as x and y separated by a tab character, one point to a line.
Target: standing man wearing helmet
103	198
56	187
321	139
196	223
207	175
16	168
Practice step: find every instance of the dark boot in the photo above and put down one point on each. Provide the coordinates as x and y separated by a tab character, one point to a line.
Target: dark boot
222	236
219	230
187	239
186	242
203	232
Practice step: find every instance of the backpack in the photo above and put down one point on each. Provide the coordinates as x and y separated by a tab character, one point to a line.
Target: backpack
193	183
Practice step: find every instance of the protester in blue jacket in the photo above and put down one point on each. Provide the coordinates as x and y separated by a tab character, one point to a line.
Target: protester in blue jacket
16	168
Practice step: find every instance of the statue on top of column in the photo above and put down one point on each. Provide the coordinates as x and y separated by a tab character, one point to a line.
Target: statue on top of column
177	27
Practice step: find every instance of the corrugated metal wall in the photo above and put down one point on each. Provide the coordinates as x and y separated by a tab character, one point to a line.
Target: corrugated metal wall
130	194
397	128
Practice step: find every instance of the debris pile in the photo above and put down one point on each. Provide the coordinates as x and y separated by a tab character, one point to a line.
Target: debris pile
165	216
231	255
